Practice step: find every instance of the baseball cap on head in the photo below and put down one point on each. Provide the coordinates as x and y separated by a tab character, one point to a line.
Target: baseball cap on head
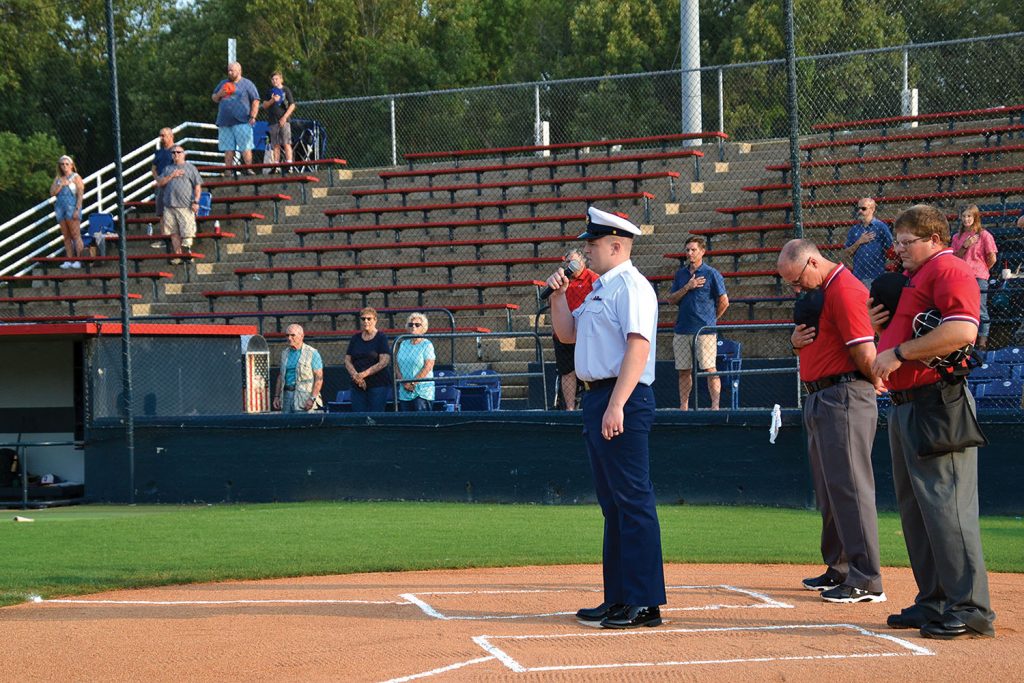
601	224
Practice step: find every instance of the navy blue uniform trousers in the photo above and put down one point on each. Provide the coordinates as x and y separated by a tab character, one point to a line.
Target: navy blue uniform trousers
633	571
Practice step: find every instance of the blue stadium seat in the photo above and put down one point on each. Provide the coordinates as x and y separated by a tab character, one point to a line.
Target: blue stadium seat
447	398
991	370
442	377
490	381
342	403
1010	354
729	359
1004	394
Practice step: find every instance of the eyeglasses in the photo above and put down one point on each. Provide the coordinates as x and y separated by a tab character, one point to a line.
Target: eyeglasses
796	282
415	325
904	244
178	151
863	208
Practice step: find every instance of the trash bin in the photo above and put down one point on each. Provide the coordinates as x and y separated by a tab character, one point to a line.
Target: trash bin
256	366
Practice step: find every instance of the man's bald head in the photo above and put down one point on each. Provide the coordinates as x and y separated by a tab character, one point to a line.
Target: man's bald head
798	251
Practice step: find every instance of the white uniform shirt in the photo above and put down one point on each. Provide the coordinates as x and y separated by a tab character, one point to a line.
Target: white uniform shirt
622	302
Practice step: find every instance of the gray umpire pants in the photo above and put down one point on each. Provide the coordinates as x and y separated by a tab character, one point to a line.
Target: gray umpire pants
938	502
840	422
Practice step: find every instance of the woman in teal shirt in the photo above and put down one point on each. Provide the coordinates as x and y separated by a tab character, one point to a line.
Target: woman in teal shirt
414	359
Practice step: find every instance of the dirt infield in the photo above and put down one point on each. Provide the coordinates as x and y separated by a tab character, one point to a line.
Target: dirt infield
723	622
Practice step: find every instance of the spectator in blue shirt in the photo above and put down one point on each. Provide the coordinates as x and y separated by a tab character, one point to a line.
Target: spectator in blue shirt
367	360
238	102
699	291
867	242
414	359
301	375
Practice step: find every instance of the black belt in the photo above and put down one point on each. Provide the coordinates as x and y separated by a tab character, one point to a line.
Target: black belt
908	395
832	380
598	383
289	387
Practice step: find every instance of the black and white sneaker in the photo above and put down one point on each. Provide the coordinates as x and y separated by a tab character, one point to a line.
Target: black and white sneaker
850	594
822	583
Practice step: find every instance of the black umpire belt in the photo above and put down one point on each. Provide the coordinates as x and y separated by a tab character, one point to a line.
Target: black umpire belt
832	380
599	383
290	387
908	395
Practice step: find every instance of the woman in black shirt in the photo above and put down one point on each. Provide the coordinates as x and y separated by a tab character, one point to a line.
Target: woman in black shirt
367	356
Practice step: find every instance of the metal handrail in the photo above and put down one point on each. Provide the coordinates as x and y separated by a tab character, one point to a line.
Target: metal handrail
708	329
478	336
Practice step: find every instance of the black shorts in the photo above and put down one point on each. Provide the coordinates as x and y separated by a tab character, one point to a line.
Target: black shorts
565	357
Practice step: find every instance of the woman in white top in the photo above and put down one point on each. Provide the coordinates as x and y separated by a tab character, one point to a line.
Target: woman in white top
68	188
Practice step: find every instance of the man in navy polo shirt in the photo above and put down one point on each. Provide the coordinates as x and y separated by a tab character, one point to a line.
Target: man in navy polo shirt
699	290
866	243
840	416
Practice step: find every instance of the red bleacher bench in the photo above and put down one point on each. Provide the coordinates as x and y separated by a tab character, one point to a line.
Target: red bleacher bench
104	278
355	249
927	135
14	320
215	236
743	251
387	290
555	184
501	206
246	217
276	166
750	301
942	177
504	224
335	313
392	331
966	155
656	280
950	116
340	270
227	200
767	321
69	299
553	166
1002	192
576	147
136	259
257	182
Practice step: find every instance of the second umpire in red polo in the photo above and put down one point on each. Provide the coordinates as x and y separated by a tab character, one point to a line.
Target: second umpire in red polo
840	416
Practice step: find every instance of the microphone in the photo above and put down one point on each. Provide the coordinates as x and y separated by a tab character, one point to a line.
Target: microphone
572	269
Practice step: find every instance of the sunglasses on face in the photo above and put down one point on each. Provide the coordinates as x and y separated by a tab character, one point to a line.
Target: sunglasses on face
415	325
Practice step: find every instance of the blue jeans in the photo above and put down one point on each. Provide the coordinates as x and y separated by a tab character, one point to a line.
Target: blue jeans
371	400
414	406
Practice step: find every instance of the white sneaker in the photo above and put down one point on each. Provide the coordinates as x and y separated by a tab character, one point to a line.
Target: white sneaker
66	265
76	264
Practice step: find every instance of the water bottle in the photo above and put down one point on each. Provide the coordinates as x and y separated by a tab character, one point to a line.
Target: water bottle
216	227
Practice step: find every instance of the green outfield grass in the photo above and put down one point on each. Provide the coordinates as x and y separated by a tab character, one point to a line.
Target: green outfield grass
71	551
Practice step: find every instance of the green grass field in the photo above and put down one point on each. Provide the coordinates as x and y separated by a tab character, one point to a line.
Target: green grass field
77	550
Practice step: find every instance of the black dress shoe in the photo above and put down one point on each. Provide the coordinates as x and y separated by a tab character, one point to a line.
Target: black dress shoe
950	627
905	620
600	612
633	616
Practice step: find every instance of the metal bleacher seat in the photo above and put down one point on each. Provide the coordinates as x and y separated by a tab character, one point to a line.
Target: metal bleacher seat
729	360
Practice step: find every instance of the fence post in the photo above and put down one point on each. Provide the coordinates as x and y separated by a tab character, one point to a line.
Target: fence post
394	137
721	103
794	120
536	116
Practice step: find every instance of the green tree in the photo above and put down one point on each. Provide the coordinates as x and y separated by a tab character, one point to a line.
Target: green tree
27	166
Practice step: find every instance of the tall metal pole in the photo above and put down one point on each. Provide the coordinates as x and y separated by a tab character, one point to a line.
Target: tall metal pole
794	119
689	54
122	261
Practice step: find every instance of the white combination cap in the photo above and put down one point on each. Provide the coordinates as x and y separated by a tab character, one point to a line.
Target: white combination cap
601	223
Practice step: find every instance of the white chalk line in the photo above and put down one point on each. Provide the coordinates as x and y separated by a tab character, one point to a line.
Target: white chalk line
443	669
485	643
765	602
218	602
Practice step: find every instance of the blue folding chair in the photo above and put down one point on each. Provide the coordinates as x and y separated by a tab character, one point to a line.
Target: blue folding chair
100	227
205	204
729	360
447	398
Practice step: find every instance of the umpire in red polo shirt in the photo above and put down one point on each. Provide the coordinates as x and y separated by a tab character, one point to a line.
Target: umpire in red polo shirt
840	417
937	494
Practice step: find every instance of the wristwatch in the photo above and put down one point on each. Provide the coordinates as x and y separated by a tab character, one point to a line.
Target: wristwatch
899	356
